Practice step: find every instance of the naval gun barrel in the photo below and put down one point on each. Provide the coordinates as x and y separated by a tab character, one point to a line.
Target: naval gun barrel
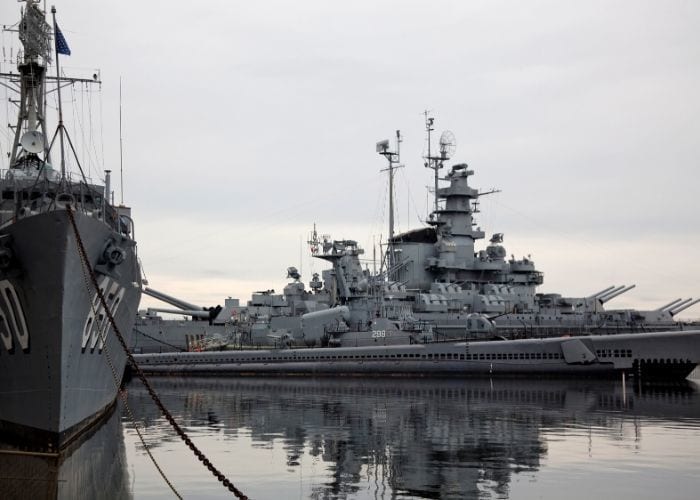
602	296
617	293
680	304
606	290
169	299
339	312
195	313
668	306
676	310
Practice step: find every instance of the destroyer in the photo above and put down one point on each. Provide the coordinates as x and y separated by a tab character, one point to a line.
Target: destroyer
60	362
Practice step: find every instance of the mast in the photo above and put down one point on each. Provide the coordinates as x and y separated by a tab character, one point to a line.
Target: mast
30	131
432	162
58	89
391	185
393	159
447	145
121	154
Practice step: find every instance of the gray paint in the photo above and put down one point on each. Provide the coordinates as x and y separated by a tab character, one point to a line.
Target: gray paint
670	355
60	362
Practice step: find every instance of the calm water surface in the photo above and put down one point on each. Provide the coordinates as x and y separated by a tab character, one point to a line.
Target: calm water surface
398	438
392	438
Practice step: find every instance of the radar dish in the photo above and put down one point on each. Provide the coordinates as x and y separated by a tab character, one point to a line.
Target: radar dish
382	146
448	144
32	141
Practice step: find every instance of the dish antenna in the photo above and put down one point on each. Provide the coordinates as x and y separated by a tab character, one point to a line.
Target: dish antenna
448	144
32	142
383	146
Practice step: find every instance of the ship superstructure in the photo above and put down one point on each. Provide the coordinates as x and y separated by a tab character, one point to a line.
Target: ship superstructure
60	362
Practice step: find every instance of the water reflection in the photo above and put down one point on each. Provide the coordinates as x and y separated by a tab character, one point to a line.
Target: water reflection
92	467
366	437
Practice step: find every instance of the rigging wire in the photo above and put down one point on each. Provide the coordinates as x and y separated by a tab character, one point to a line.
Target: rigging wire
379	222
98	158
411	202
6	60
85	158
102	138
278	218
91	138
6	131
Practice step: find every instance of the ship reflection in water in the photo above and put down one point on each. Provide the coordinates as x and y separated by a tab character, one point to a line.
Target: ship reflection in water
387	438
94	466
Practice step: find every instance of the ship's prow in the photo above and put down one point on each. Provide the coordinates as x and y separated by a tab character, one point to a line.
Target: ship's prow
60	360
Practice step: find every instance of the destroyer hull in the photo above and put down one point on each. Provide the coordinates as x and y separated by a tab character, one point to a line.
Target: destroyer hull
662	355
92	466
56	376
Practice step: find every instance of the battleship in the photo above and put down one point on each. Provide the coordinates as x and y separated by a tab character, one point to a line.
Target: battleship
436	275
60	360
433	284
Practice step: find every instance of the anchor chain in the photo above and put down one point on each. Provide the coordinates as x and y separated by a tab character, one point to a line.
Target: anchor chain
139	373
122	393
179	349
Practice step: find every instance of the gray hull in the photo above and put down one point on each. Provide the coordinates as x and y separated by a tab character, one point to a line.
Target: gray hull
93	466
55	377
662	355
171	335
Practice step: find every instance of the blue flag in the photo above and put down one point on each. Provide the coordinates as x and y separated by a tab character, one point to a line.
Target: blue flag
61	44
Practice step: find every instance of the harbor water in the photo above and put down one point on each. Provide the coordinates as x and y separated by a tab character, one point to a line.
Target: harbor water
386	438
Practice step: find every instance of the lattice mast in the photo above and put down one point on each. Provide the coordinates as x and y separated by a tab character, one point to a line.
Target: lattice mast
35	35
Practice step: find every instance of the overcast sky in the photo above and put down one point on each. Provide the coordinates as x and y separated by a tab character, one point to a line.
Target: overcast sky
247	122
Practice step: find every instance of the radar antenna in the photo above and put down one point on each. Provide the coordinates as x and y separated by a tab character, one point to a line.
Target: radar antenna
314	242
32	141
448	145
393	158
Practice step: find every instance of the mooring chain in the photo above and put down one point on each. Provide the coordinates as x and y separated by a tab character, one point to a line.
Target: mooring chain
180	349
85	268
132	362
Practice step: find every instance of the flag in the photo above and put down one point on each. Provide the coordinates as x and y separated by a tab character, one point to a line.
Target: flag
61	44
